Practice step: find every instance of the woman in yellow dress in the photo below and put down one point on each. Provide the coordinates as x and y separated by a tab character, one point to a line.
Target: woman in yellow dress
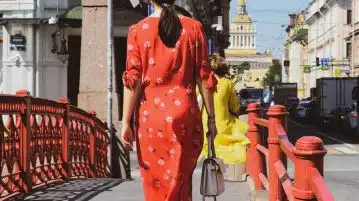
230	142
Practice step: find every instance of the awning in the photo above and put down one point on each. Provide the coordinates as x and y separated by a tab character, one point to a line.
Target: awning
72	18
74	13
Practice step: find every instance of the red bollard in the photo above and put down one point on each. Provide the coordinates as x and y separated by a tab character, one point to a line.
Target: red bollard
309	153
254	159
277	116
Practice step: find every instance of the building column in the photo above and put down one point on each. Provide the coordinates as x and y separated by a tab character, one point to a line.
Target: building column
93	72
93	75
254	42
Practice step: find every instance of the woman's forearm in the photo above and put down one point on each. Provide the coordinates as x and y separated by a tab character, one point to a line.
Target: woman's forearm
207	95
130	98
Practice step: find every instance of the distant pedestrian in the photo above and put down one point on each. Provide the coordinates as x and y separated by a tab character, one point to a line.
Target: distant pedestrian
230	142
166	58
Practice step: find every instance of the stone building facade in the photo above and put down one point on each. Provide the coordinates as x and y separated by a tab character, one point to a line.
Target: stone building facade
243	49
296	52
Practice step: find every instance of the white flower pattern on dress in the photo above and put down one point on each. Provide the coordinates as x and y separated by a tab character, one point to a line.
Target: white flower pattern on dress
129	47
161	161
157	101
177	102
160	134
169	119
146	163
133	62
171	91
151	61
159	80
172	153
151	149
145	26
147	44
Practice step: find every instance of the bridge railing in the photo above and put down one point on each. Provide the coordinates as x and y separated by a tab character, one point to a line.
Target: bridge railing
307	156
43	141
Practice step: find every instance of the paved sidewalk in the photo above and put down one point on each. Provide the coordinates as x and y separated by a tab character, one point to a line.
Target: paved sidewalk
132	190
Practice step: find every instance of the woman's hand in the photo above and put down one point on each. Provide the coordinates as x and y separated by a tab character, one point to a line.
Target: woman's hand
127	137
212	129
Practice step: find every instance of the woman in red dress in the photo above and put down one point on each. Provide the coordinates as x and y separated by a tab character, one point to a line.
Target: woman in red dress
166	58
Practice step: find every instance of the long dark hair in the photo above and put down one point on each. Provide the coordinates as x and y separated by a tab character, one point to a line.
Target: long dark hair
170	25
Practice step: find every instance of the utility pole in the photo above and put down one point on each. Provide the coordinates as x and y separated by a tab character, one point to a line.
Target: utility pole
110	78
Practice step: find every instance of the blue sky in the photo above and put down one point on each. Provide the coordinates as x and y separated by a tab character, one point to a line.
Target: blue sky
270	16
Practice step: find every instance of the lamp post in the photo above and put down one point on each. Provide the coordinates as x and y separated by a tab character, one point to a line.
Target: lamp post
109	77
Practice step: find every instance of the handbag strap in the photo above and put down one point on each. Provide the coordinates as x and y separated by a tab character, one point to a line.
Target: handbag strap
210	148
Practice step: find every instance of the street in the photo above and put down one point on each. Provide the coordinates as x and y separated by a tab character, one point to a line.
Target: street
341	165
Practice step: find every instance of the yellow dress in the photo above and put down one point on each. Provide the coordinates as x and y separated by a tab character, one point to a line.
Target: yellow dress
231	142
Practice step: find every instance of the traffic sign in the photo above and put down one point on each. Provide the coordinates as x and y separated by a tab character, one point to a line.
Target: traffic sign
325	63
307	69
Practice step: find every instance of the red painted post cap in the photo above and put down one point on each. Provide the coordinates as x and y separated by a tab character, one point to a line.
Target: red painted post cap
253	107
309	143
23	93
277	110
92	113
63	100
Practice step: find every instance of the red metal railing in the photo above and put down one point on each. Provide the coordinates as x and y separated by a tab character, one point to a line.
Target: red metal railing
307	156
43	141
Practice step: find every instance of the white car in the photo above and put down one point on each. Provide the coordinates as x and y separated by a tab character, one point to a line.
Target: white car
302	109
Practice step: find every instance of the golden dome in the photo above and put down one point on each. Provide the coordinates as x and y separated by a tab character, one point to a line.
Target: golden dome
242	18
241	2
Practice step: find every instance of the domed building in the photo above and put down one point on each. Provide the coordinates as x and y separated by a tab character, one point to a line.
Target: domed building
247	65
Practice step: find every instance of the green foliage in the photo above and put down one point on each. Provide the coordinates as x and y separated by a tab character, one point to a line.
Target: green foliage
245	66
273	75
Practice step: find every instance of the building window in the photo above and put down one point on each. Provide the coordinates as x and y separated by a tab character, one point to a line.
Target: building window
237	41
241	41
241	28
349	16
349	50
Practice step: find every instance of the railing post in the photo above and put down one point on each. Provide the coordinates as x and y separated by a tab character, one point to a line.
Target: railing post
66	152
254	159
277	116
93	144
25	141
309	153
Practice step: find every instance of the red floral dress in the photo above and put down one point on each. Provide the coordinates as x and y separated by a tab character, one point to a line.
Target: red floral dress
169	134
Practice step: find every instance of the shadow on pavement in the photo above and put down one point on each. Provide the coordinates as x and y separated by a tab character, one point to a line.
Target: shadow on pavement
78	190
298	128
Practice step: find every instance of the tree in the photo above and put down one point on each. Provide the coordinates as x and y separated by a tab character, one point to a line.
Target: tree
273	75
244	66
